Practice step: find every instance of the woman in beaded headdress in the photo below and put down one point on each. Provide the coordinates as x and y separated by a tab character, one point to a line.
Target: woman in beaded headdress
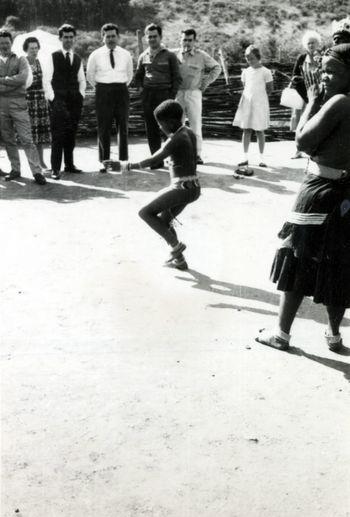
341	31
314	255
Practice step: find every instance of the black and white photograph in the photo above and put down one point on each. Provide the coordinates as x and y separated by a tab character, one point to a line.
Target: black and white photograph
175	258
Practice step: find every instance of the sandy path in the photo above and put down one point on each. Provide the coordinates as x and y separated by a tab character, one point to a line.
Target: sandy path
132	390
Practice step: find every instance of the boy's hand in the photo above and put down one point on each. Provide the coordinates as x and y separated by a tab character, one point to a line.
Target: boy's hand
112	165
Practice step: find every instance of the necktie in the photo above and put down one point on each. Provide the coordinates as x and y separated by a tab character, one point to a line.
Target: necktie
67	59
111	57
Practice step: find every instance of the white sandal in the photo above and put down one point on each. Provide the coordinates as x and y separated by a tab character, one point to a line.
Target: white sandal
335	343
272	339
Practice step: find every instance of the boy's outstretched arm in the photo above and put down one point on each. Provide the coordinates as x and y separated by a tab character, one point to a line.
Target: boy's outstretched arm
157	157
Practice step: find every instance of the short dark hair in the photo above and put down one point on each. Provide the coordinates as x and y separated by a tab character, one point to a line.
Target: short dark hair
154	27
109	27
66	28
169	110
189	32
6	34
29	40
253	50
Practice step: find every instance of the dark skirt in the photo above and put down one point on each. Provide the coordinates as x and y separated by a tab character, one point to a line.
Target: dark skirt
314	259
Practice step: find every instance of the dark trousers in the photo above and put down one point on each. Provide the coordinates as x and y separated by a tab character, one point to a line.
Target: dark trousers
65	112
112	104
150	100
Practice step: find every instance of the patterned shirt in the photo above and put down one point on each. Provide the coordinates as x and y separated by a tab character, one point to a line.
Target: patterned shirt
311	71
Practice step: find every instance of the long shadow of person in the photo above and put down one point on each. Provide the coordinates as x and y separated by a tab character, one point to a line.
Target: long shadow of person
142	180
330	363
66	191
309	310
146	180
152	181
262	178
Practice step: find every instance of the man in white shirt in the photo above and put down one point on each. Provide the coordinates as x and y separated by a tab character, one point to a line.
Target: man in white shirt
64	86
110	70
198	69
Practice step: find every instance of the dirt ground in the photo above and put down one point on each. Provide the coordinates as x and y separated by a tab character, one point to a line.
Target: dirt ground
129	389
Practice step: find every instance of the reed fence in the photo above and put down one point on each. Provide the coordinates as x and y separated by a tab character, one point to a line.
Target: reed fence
220	102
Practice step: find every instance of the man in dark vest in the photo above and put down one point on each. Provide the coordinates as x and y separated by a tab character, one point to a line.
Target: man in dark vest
65	89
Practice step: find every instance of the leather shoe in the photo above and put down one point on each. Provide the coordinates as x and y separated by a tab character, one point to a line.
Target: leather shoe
56	175
12	175
39	178
73	169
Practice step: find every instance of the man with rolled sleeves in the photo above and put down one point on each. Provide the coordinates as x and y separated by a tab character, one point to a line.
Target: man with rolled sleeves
109	70
198	69
158	76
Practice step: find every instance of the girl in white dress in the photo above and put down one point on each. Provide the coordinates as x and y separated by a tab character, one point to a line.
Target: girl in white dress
253	112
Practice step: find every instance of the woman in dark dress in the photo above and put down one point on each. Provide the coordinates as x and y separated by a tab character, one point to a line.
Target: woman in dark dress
37	104
314	255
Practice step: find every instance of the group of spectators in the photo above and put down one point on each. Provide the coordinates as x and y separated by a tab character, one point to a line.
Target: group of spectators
44	105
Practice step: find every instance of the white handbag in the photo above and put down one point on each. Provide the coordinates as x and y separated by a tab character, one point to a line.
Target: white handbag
291	99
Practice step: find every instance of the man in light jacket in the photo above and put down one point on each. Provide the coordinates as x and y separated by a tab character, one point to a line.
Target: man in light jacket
197	70
15	77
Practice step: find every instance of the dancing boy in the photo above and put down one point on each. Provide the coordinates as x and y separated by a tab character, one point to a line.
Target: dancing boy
184	188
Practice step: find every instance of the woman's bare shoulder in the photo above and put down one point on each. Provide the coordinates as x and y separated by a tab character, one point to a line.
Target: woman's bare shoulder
340	100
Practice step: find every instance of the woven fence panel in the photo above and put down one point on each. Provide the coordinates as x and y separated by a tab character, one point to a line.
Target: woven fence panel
220	102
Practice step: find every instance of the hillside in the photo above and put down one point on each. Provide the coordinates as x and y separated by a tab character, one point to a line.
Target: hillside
275	26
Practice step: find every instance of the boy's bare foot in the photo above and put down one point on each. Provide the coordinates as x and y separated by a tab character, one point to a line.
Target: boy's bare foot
177	250
177	263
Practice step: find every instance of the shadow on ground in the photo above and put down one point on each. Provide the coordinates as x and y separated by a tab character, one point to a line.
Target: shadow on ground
308	310
73	188
335	364
330	363
269	178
